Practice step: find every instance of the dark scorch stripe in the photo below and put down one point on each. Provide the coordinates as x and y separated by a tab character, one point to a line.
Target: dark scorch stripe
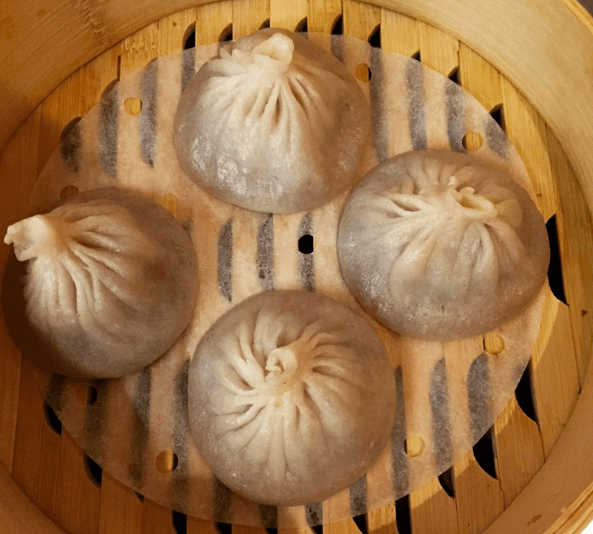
398	436
306	261
222	502
147	123
179	477
337	48
188	67
108	117
94	423
380	118
70	144
455	116
265	253
358	497
268	515
415	90
441	419
54	391
140	425
478	393
225	260
495	137
314	514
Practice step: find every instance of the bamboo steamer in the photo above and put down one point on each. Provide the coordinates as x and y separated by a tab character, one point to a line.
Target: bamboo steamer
533	57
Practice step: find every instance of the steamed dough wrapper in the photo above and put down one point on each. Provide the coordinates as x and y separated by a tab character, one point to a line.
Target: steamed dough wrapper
110	284
439	245
291	398
273	123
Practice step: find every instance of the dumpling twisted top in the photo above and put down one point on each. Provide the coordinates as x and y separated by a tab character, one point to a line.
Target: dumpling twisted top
441	245
291	397
273	123
110	283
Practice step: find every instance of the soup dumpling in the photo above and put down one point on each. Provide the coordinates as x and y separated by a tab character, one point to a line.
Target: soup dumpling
291	398
109	281
440	245
273	123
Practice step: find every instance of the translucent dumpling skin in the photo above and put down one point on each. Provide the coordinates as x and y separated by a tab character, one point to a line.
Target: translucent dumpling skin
291	398
439	245
107	283
273	123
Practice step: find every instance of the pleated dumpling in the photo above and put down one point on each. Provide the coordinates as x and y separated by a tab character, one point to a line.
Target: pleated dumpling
110	283
441	245
273	123
291	398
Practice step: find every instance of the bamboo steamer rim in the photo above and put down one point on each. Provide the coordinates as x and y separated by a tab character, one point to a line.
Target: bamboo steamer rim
511	34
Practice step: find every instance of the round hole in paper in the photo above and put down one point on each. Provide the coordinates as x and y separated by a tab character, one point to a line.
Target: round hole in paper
493	344
167	461
363	73
472	141
133	105
306	244
414	446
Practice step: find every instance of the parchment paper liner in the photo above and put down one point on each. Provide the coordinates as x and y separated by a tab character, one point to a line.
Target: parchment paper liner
448	394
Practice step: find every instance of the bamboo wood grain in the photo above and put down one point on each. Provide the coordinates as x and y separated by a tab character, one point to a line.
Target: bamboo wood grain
480	78
18	166
211	20
575	229
139	49
73	98
200	526
78	501
36	464
156	518
479	496
333	508
173	29
121	510
287	14
249	15
322	15
432	511
399	33
18	515
519	448
382	520
553	373
552	379
561	493
438	50
360	19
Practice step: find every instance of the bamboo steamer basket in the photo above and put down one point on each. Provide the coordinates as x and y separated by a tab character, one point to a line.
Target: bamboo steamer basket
529	61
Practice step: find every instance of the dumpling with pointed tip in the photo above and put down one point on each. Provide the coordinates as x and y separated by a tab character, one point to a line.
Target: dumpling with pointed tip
440	245
291	398
273	123
109	284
